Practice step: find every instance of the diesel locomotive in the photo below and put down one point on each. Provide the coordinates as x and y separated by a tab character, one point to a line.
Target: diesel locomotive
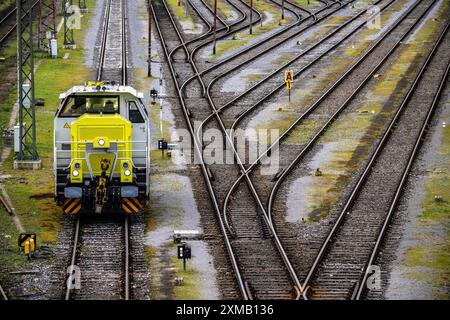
101	150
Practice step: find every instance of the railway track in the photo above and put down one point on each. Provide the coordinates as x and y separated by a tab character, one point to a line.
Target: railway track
363	220
259	48
286	172
236	109
363	75
3	294
101	246
112	64
279	280
101	253
377	249
246	289
363	68
239	211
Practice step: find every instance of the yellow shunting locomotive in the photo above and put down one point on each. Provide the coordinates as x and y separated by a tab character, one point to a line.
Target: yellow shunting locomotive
101	150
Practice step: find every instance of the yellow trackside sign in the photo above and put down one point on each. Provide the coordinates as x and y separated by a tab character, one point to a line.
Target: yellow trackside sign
289	78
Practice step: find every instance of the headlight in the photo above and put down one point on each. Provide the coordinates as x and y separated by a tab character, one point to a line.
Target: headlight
101	142
77	166
127	173
75	173
125	165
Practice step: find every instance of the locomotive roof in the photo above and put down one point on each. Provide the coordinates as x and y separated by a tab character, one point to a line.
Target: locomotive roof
105	89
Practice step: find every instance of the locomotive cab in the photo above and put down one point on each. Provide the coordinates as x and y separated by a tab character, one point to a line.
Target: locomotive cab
101	150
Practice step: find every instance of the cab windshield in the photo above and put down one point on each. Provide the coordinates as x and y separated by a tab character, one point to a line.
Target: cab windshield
76	106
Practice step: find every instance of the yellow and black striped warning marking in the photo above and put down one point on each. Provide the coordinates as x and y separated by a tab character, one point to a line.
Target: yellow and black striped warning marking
71	206
131	205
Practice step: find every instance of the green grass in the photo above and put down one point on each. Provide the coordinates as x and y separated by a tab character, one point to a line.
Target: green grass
191	286
40	214
223	8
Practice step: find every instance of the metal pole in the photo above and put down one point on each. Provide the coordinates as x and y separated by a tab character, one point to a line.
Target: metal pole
282	10
150	12
215	26
251	16
47	23
68	29
25	68
39	31
54	27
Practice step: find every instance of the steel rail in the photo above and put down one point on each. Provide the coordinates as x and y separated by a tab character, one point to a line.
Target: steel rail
404	178
322	130
310	110
3	294
125	82
256	197
73	257
103	41
287	64
184	43
240	282
259	43
124	75
363	177
127	258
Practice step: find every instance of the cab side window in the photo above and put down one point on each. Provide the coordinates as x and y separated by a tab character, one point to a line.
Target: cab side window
134	114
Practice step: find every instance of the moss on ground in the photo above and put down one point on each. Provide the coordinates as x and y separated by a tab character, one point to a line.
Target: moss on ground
429	258
358	130
181	16
191	281
227	46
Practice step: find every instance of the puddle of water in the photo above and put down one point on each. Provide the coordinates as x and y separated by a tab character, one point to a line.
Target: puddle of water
297	202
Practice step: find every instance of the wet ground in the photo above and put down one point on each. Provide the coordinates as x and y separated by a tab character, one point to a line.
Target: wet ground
172	203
